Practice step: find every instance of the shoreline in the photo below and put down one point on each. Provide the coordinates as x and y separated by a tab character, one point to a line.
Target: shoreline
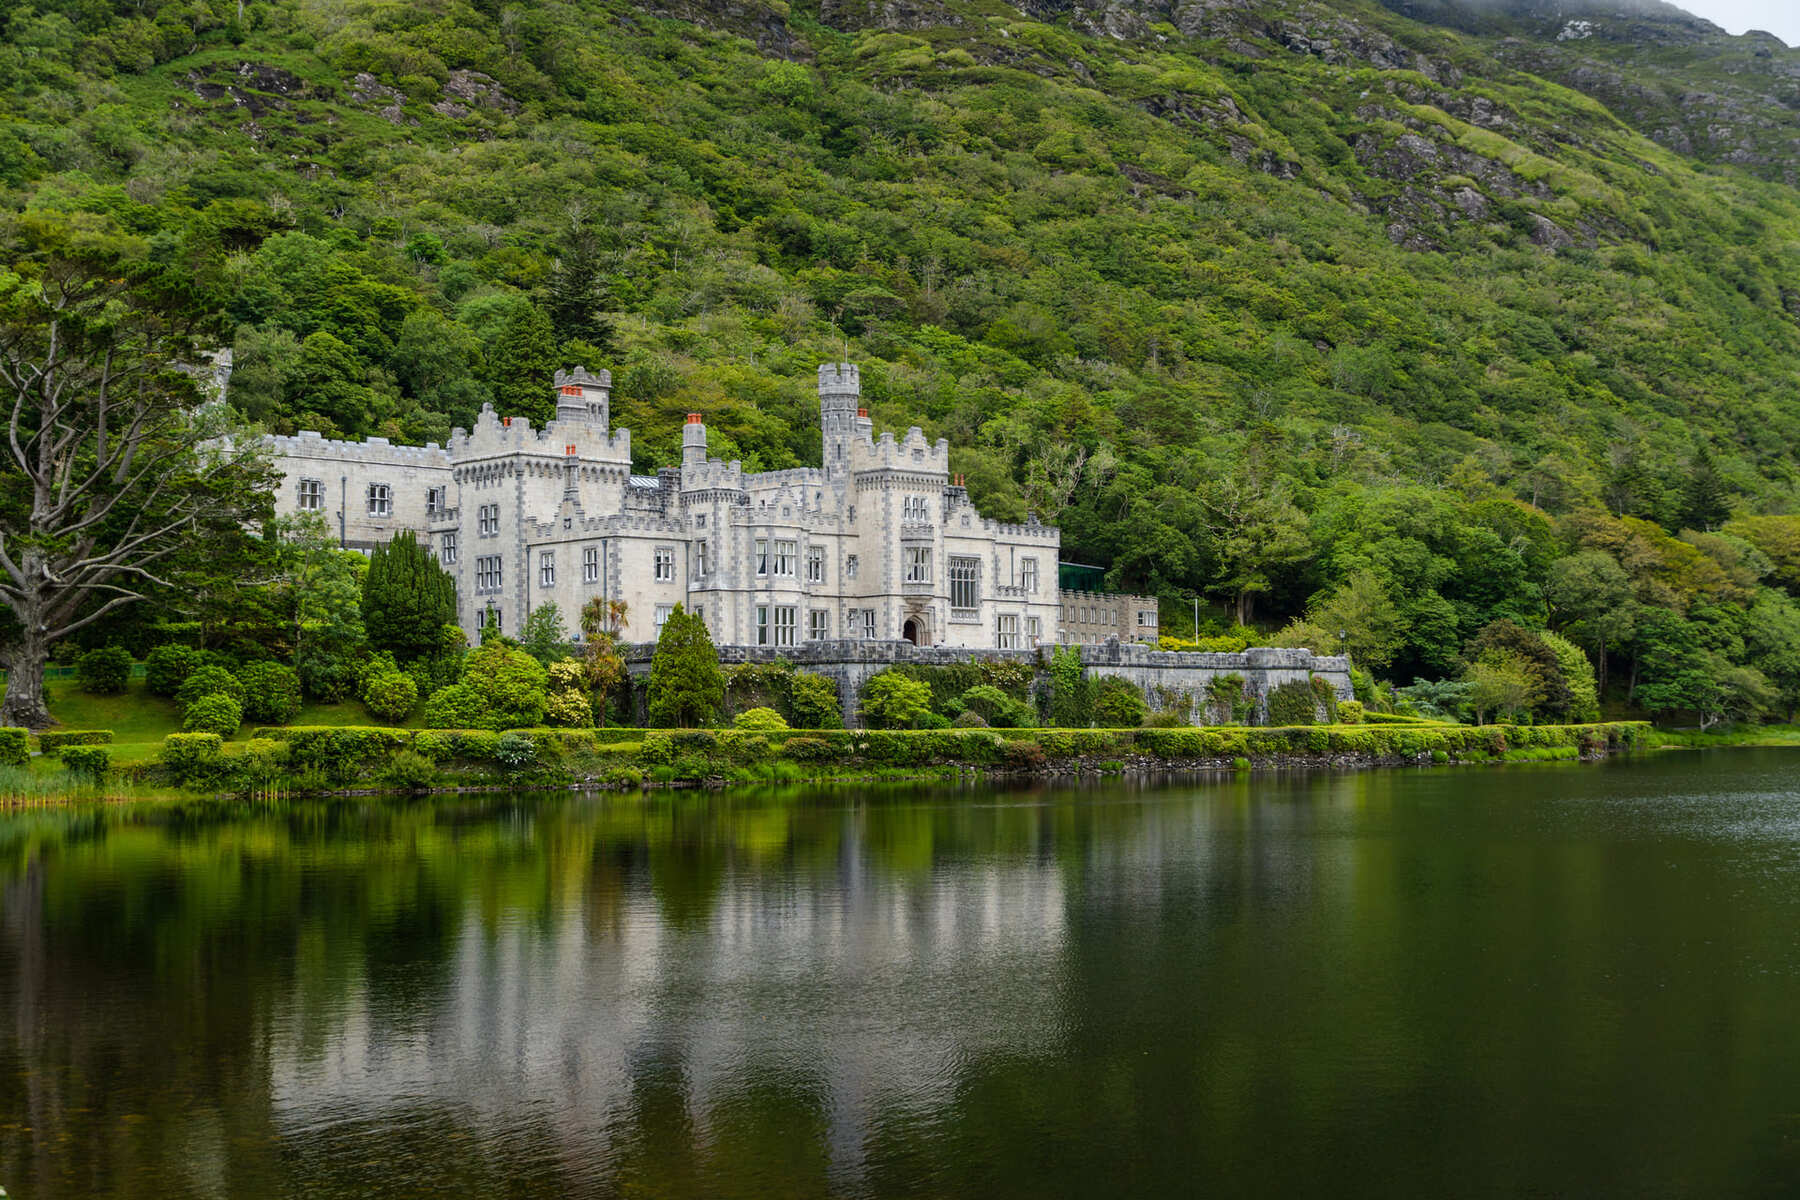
326	761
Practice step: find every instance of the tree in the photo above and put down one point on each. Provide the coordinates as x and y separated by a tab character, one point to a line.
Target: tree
509	686
544	635
575	294
686	685
1253	531
1578	677
1501	683
1550	691
110	462
1705	498
894	701
522	365
407	599
599	651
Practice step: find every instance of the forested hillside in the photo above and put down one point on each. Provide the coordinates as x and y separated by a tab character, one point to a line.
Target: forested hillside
1320	311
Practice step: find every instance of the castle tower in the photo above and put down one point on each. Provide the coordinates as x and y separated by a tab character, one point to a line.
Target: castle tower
693	441
584	398
840	392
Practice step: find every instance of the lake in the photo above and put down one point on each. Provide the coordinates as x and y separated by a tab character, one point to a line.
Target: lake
1540	979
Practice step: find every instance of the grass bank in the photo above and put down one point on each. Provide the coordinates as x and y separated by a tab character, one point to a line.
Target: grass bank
1742	736
325	758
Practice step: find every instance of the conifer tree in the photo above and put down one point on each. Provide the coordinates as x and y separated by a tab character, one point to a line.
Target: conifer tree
407	599
1705	498
686	686
522	365
575	295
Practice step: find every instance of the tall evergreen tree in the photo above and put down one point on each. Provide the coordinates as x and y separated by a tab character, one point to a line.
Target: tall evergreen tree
1705	497
686	685
575	295
407	599
522	365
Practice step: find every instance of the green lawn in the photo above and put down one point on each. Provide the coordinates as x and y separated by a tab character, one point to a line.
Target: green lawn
140	721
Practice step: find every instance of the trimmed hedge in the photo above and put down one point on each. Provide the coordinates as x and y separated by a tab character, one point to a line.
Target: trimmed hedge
56	739
89	762
15	746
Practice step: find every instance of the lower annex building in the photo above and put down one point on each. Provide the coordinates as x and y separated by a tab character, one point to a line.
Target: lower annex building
879	542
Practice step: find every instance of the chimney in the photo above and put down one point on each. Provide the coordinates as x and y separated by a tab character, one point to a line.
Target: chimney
693	441
583	398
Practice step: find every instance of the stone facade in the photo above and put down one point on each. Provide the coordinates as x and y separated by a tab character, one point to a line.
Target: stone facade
877	544
1169	679
1092	618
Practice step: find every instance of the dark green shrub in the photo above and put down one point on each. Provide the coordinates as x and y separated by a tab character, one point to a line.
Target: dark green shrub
87	762
1326	695
409	770
931	720
271	692
264	759
192	757
747	748
813	702
1293	703
55	739
1167	719
438	745
1071	692
898	748
693	741
327	675
15	746
1119	704
104	672
167	667
454	707
477	745
390	695
970	719
809	749
213	713
210	680
686	685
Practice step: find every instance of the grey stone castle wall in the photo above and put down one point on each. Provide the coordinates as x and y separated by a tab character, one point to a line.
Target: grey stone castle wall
1169	679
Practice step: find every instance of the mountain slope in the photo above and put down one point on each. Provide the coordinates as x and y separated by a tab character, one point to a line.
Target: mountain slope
1322	252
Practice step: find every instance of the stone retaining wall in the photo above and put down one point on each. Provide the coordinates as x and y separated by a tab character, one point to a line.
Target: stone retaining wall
1168	678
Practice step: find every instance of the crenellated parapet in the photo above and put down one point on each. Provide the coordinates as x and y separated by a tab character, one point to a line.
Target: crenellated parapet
496	436
912	454
375	451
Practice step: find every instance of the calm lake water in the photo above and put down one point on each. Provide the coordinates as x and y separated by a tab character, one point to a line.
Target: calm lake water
1543	980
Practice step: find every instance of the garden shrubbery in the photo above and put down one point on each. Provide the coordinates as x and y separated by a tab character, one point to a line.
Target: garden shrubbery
214	712
210	680
51	740
105	671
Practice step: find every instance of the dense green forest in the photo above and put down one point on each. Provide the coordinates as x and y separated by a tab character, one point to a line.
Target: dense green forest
1347	323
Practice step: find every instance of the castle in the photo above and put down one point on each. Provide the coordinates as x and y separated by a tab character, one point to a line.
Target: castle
877	543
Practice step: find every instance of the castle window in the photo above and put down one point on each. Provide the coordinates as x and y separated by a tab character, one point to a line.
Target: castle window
434	501
964	578
487	520
447	549
762	624
547	569
590	564
700	560
818	624
700	521
868	617
918	564
663	613
1006	631
784	557
1028	575
815	564
784	625
850	567
487	573
665	564
913	508
381	500
1034	631
762	556
312	494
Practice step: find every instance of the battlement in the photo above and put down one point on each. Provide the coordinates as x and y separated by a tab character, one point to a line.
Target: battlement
840	379
375	451
497	435
913	453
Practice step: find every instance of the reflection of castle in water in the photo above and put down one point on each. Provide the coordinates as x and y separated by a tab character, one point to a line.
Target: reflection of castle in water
562	1028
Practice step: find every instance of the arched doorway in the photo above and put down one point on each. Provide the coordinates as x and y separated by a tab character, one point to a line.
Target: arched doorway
910	631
